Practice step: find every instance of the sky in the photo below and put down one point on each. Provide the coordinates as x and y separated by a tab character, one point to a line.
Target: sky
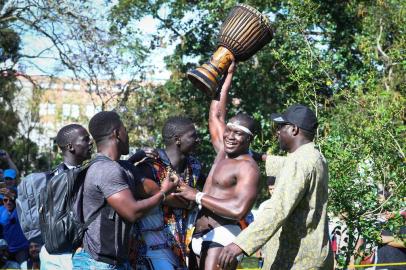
33	44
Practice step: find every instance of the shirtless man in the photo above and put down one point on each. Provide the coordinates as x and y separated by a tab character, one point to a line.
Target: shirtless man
231	187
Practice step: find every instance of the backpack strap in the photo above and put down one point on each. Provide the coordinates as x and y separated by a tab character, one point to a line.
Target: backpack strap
94	215
92	218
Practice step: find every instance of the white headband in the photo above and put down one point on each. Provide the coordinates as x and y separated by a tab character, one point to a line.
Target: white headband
240	127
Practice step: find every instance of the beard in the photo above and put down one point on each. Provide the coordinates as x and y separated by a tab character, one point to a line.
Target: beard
282	145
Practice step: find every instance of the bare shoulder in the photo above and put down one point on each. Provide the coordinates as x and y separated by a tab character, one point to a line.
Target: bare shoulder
247	160
247	166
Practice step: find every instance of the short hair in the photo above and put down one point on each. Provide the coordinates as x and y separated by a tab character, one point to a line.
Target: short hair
102	124
247	120
66	135
175	126
270	181
308	134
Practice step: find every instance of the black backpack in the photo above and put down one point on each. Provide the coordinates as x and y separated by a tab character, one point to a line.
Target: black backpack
27	202
60	210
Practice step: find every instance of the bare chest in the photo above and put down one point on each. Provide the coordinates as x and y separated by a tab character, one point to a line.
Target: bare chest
224	174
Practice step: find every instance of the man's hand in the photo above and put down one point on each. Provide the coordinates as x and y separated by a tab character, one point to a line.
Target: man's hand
170	182
186	192
228	255
144	154
151	152
232	68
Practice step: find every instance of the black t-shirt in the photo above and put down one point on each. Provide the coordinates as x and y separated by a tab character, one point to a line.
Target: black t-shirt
388	254
106	238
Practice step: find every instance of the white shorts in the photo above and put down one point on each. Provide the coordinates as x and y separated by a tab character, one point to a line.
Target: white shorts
220	237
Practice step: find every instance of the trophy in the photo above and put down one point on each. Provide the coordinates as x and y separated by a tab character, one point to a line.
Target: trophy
243	33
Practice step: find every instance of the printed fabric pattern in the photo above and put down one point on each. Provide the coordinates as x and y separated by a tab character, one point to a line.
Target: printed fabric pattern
175	220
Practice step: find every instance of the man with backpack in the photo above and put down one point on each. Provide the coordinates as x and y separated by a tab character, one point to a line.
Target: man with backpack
108	195
76	146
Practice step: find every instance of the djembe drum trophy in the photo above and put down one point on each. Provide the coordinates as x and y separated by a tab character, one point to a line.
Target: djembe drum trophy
243	33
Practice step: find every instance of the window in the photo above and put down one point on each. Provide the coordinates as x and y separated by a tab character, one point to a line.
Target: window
70	110
44	85
90	111
68	86
51	108
66	110
71	86
74	111
76	86
53	86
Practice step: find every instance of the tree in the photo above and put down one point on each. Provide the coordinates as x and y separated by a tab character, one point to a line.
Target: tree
343	58
23	151
77	41
9	45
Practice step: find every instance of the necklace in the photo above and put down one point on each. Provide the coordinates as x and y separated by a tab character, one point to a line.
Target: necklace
167	167
185	176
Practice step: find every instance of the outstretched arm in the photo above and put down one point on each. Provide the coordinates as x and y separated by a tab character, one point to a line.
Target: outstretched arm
149	188
217	114
130	209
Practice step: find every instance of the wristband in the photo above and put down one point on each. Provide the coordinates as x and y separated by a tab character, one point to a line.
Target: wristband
199	197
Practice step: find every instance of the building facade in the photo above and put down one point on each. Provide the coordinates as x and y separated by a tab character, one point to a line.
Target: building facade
46	104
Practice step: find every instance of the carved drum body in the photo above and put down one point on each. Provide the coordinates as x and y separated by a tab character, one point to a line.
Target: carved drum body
243	33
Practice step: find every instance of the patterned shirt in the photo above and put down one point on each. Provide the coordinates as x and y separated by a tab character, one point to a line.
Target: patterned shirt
292	228
166	227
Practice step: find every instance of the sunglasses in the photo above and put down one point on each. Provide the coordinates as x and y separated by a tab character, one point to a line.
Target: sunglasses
7	200
280	126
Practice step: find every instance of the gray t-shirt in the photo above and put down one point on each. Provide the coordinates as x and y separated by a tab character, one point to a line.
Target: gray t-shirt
106	239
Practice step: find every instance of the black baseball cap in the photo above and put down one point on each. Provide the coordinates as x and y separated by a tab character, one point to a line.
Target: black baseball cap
299	115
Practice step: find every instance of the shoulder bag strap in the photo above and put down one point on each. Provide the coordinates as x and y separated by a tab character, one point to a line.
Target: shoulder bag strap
94	215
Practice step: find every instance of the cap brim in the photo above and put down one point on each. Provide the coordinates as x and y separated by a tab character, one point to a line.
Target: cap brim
278	118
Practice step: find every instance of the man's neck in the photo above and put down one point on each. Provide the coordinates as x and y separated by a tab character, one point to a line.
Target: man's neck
298	143
70	160
109	151
176	158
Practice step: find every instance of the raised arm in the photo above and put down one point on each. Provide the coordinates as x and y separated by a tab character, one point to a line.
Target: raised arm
6	157
217	114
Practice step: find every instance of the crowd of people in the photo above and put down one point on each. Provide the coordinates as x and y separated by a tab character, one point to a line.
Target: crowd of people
16	251
158	210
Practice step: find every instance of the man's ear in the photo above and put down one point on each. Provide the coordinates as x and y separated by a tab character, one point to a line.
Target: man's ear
295	130
69	147
177	140
116	133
